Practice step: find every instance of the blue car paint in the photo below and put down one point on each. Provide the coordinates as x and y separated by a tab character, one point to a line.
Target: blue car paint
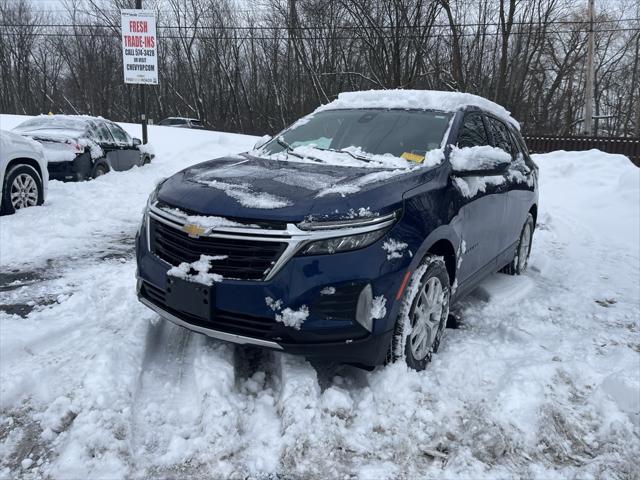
432	210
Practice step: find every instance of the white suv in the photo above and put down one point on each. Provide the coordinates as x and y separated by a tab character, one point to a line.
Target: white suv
23	173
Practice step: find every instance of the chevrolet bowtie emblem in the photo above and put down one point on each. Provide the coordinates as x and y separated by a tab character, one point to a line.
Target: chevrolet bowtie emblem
193	230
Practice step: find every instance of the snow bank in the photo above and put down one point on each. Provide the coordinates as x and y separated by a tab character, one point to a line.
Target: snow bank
422	99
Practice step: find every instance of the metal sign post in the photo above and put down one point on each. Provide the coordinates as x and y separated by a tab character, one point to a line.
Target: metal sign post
139	53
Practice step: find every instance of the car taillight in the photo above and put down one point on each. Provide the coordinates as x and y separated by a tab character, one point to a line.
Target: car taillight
77	148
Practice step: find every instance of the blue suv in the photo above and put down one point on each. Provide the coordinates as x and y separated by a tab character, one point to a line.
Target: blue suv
348	235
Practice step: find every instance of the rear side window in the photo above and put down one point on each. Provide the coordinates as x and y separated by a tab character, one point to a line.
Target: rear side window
101	133
177	121
119	135
472	132
501	137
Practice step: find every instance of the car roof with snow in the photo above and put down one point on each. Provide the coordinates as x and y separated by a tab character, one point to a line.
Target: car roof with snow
417	99
71	122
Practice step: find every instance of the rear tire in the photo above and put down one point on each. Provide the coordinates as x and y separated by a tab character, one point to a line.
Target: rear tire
423	315
99	169
521	257
22	188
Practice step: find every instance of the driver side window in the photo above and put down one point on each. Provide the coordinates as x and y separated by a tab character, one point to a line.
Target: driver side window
472	132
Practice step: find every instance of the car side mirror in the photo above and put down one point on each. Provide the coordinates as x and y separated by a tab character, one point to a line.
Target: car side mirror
479	161
137	142
262	141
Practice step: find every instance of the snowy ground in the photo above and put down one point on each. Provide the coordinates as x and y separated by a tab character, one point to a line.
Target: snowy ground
542	379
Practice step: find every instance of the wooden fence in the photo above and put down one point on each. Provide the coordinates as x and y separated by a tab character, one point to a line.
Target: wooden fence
625	146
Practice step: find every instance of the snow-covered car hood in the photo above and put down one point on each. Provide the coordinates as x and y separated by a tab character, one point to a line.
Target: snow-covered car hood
261	189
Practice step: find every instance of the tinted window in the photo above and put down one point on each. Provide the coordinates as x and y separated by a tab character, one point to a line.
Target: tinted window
177	121
501	136
119	134
472	133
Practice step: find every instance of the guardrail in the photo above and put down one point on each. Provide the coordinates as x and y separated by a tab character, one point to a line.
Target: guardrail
622	145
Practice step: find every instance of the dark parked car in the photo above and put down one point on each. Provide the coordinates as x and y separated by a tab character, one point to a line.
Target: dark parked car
181	122
79	147
347	236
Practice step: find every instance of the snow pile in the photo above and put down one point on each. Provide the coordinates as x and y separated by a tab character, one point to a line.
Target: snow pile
477	158
328	291
207	222
352	157
394	248
291	318
354	186
198	271
470	186
421	99
243	193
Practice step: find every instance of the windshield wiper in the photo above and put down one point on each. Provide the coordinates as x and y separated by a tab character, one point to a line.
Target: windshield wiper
357	157
288	147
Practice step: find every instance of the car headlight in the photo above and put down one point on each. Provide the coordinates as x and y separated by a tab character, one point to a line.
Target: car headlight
154	193
342	244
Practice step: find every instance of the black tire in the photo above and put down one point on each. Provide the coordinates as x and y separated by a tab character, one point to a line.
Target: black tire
402	346
99	169
22	171
521	258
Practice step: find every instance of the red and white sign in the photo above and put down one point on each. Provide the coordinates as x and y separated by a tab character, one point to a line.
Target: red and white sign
139	46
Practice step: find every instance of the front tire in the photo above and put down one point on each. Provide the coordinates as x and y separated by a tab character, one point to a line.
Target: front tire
22	188
521	258
423	315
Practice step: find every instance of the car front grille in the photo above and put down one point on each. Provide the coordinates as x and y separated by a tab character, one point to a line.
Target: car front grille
245	259
229	322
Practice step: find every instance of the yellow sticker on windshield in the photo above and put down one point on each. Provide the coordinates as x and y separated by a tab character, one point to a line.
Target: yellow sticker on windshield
412	157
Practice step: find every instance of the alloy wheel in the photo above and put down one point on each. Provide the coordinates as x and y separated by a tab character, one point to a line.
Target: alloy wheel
523	249
24	191
427	318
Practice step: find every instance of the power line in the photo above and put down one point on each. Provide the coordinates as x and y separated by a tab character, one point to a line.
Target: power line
345	27
245	37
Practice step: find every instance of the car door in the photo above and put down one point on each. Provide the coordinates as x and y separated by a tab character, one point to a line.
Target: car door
103	137
128	154
482	208
515	183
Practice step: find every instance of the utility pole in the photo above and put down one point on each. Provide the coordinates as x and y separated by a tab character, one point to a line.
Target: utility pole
143	99
588	96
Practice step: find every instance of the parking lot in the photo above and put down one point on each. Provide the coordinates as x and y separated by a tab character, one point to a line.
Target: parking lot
540	379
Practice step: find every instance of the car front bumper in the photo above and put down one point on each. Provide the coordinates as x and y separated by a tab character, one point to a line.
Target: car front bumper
241	314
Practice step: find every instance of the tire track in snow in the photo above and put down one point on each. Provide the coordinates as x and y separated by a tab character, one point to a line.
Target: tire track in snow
161	390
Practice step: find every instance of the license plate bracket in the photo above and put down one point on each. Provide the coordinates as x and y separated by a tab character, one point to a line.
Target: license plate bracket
189	297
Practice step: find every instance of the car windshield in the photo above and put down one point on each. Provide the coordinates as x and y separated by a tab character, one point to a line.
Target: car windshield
365	135
52	123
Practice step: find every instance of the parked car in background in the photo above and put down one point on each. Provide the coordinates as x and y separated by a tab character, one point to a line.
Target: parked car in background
79	147
23	173
348	235
181	122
